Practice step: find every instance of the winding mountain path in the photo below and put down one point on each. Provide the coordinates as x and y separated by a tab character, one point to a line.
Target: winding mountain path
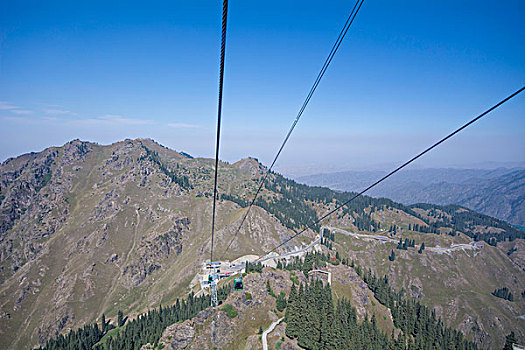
268	331
384	239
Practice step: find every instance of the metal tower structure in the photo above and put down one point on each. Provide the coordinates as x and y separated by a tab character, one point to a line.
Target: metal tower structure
213	289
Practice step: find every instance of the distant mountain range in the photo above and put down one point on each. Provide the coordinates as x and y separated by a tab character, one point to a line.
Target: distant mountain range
496	192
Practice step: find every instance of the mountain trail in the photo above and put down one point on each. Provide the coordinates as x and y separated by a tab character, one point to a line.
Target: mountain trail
268	331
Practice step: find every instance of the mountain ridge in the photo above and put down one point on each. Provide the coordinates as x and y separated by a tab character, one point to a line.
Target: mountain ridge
88	229
496	192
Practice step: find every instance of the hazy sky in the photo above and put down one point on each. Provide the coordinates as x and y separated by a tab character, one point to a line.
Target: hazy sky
407	73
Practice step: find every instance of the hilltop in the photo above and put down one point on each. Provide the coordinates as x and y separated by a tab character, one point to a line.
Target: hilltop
88	229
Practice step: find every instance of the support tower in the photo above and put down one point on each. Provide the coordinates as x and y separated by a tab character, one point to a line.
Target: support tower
213	288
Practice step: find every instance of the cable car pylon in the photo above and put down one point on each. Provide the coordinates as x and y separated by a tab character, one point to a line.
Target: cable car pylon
213	288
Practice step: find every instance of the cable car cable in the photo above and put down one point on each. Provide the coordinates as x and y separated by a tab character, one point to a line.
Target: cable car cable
400	167
219	115
327	62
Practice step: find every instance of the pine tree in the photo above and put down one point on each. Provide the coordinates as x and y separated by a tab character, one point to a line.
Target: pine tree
503	293
120	318
280	303
269	288
509	340
392	256
291	313
308	263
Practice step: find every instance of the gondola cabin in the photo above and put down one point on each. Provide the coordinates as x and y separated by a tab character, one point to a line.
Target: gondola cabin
237	284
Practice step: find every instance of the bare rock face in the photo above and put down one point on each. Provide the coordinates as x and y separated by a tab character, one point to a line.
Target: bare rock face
204	315
360	291
289	345
153	250
249	164
221	329
178	335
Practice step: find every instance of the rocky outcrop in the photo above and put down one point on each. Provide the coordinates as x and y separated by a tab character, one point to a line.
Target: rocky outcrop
33	200
154	249
360	291
178	335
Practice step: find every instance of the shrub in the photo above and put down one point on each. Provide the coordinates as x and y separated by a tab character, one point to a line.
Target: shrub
230	310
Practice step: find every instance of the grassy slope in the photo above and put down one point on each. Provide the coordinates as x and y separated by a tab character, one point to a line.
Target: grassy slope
457	285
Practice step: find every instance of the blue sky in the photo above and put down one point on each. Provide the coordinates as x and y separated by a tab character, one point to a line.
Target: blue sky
407	73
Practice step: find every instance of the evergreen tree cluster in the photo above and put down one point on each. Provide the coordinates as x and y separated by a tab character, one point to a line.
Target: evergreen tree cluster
293	208
328	235
420	326
327	238
432	228
254	267
363	221
312	319
327	243
503	293
510	339
82	338
180	180
269	289
146	328
406	244
281	301
306	264
120	319
464	220
290	211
